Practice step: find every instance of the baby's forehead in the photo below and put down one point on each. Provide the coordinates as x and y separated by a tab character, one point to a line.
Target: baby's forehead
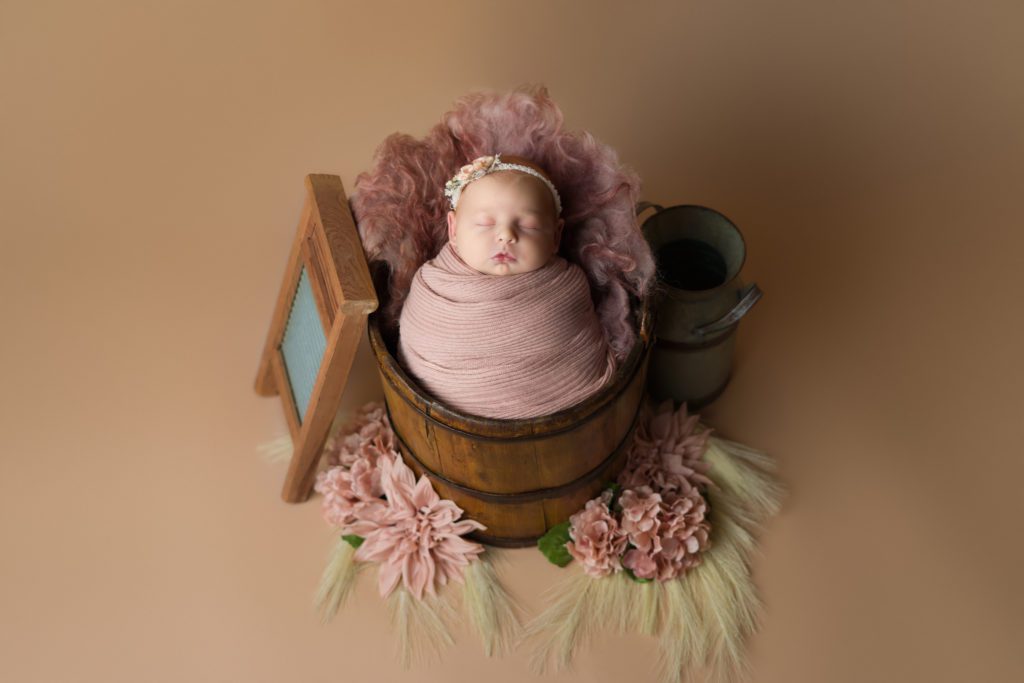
508	187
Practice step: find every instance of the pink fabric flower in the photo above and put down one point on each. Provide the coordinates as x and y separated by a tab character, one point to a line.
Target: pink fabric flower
416	538
366	479
596	541
682	538
642	564
684	534
351	487
349	494
667	452
643	468
368	434
640	523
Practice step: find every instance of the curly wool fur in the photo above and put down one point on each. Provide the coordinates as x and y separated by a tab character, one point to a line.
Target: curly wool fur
400	204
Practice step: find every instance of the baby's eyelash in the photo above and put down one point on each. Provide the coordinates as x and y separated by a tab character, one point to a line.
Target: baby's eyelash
527	226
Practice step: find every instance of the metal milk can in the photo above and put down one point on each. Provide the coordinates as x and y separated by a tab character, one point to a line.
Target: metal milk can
699	301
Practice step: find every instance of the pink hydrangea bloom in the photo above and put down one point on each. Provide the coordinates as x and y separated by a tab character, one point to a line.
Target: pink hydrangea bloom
641	508
368	434
353	483
350	493
417	537
684	534
351	487
682	538
597	543
642	564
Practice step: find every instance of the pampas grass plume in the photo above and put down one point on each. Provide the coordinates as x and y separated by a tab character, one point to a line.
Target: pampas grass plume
338	578
489	607
277	449
566	623
420	626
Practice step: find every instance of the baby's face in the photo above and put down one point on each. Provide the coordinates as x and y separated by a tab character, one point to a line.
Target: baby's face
505	224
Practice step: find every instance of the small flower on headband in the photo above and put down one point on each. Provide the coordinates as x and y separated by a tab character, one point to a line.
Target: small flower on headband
470	172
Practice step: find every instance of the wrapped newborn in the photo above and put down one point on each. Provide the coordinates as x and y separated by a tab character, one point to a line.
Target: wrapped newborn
498	325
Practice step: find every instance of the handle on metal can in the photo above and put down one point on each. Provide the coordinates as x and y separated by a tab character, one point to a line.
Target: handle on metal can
643	205
750	296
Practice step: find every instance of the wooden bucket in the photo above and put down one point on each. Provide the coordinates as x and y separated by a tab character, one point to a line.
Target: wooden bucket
516	477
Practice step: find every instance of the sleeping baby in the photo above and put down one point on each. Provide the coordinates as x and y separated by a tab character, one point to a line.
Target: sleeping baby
498	324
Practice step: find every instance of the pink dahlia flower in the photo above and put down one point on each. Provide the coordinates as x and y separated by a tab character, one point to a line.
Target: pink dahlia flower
597	543
667	453
416	537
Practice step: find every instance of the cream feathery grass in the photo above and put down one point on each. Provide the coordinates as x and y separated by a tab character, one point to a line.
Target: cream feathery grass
338	578
420	626
747	475
648	606
709	612
622	603
723	593
567	623
277	449
489	607
582	605
682	638
719	618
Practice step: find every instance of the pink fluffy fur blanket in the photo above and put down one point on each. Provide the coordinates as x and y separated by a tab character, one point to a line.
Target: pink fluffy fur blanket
510	347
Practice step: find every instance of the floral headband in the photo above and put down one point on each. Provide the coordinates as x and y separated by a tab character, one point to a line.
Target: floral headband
480	167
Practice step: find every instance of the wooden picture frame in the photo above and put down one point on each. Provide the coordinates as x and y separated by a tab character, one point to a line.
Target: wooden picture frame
320	316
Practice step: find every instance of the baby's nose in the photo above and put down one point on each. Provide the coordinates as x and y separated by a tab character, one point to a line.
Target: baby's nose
506	234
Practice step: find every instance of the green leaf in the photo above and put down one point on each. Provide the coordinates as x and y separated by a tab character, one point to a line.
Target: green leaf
630	574
552	544
353	540
616	490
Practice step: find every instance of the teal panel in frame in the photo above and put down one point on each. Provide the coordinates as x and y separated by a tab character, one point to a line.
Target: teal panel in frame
303	345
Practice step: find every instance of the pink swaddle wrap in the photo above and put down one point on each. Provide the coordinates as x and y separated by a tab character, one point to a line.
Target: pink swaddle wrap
508	347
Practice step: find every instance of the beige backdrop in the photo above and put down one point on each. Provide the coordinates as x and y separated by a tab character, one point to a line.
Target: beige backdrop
151	165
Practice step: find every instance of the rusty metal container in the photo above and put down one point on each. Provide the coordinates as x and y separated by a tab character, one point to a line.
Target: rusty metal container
699	302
